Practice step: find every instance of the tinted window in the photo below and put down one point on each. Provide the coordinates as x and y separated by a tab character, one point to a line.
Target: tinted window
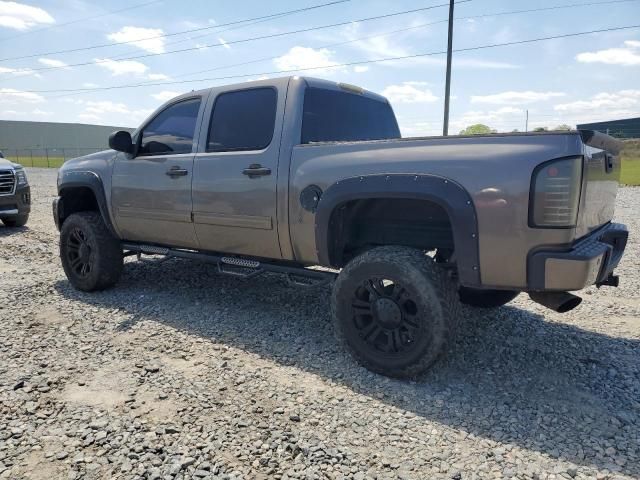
172	130
243	120
333	116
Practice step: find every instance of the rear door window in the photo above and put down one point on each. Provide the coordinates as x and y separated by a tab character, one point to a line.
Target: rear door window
335	116
171	131
243	120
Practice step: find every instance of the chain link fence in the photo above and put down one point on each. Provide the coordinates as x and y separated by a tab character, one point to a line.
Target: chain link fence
46	157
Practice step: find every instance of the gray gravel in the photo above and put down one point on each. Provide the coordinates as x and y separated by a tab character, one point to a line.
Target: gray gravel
179	372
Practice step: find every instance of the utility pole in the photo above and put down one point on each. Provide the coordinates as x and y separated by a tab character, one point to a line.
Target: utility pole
526	122
447	88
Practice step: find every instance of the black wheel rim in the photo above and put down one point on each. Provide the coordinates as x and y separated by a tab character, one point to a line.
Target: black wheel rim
385	315
79	253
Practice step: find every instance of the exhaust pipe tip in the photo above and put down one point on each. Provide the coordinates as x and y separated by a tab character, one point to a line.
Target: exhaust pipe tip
561	302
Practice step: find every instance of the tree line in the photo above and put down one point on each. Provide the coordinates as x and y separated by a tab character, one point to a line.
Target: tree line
482	129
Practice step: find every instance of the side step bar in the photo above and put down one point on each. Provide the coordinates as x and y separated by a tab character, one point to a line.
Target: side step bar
238	266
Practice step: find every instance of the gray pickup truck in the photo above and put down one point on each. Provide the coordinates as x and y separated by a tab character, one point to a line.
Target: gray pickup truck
15	194
286	174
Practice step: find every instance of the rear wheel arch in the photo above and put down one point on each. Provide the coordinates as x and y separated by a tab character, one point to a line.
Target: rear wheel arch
442	199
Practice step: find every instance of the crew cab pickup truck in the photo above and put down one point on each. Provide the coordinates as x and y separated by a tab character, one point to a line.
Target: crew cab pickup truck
15	194
286	174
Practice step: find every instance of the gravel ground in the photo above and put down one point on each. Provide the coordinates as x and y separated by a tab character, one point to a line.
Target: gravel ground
179	372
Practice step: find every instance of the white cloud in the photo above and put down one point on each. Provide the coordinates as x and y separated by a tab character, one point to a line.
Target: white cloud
158	76
165	95
224	43
361	68
50	62
483	64
41	113
375	47
515	98
89	117
111	113
90	85
105	106
604	104
22	17
121	67
408	92
11	95
18	71
503	119
140	37
419	128
627	56
300	58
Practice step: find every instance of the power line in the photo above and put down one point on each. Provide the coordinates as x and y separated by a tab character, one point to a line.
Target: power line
245	40
392	32
348	64
405	29
80	20
182	32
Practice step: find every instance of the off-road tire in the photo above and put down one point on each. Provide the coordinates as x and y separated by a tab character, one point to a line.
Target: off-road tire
18	221
486	298
103	252
426	288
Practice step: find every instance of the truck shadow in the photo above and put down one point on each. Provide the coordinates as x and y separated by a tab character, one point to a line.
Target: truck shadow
512	377
9	231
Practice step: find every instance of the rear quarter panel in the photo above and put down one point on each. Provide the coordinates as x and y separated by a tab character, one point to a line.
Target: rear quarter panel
495	170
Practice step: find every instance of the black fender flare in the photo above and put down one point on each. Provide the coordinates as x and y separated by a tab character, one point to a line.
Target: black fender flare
83	179
448	194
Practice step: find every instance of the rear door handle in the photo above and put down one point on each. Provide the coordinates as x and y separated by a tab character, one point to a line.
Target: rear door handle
256	170
177	172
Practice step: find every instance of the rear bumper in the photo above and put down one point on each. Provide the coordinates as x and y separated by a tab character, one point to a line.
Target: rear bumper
17	204
591	260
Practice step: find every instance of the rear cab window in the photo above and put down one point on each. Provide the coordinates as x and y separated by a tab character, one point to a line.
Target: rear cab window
337	116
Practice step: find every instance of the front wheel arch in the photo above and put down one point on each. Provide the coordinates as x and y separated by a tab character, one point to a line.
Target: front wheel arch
81	192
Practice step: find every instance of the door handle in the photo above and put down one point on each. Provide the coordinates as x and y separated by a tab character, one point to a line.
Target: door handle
177	172
256	170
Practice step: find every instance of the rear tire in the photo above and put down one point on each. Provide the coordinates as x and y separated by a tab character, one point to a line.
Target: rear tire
18	221
91	256
486	298
394	310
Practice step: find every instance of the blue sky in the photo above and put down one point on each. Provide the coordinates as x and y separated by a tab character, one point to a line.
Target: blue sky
569	80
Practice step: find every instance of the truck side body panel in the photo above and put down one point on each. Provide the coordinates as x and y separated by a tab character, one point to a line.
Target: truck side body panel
496	171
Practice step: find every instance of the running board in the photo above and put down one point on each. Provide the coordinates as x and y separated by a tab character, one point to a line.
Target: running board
238	266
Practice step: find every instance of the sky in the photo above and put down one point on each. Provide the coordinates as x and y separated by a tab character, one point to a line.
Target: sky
560	81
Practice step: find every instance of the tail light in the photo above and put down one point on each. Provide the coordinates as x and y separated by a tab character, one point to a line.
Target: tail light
555	193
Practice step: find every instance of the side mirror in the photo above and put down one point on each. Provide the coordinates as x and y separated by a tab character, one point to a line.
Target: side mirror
121	141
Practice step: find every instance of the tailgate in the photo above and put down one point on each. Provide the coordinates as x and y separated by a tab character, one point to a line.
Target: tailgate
601	179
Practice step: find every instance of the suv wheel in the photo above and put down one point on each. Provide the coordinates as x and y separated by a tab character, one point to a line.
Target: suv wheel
394	310
486	298
19	221
91	257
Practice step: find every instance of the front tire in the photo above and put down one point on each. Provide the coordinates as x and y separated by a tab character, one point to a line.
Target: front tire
486	298
394	310
18	221
91	256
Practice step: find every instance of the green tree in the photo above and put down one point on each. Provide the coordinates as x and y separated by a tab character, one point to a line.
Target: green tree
541	129
477	129
563	127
